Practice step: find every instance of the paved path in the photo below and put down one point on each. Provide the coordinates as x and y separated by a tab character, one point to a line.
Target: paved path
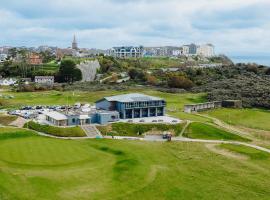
184	128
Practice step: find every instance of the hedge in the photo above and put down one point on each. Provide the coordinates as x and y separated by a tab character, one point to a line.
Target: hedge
56	131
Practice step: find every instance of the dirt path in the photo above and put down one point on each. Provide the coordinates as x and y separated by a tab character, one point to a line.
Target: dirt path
224	152
181	139
227	126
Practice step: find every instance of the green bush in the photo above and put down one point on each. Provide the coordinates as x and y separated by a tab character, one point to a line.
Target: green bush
56	131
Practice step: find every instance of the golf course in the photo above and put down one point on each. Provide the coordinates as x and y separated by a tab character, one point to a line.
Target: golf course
33	166
36	167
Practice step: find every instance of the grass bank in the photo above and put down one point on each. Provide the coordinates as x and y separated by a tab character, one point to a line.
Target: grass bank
128	129
250	118
56	131
197	130
6	119
251	153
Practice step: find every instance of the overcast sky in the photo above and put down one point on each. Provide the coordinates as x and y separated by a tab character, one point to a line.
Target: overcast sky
233	26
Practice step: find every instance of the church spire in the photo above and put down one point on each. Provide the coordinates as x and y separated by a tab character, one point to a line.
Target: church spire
74	43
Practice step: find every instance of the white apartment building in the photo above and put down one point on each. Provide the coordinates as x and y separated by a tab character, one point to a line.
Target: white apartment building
44	80
185	50
206	50
127	52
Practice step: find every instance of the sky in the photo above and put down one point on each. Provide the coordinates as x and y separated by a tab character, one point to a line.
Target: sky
235	27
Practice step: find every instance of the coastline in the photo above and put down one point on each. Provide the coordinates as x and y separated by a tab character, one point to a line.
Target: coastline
260	60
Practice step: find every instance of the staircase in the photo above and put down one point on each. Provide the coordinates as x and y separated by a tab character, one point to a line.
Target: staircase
91	131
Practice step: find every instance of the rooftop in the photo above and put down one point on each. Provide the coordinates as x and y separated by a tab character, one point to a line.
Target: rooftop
56	115
133	97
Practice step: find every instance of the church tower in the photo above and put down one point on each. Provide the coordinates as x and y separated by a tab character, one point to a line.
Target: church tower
74	43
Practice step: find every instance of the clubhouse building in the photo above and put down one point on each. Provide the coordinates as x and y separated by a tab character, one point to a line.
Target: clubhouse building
133	105
108	110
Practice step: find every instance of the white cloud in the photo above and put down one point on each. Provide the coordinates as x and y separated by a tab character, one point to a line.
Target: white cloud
106	23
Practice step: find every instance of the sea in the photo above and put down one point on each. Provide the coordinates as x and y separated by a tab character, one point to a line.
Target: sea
261	60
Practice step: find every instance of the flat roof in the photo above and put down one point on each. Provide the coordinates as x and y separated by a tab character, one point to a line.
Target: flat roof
199	104
56	115
133	97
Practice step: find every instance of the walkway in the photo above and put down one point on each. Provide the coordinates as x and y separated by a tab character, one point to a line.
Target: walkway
91	131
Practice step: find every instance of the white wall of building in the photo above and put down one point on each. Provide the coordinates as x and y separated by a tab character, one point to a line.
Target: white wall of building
206	50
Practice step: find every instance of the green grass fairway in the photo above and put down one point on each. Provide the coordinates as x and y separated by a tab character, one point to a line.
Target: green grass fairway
175	102
35	167
197	130
251	118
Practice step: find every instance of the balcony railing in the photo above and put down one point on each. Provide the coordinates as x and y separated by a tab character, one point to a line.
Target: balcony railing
144	104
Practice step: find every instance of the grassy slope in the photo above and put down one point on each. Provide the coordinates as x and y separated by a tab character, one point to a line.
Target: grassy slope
124	129
251	153
34	167
174	101
56	131
199	130
6	119
251	118
162	62
50	67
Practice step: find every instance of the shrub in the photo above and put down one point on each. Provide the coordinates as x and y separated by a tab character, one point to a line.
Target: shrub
179	81
68	72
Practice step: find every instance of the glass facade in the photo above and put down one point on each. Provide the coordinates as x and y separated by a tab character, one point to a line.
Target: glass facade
141	109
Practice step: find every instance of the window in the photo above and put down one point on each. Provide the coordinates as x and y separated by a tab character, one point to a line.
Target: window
73	120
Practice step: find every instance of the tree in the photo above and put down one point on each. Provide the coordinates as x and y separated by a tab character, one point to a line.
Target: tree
47	56
267	71
68	72
12	52
179	81
152	80
136	74
133	73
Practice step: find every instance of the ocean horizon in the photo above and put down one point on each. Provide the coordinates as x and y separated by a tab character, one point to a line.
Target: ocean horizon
260	60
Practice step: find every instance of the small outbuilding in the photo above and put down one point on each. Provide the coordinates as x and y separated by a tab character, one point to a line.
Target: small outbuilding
232	104
44	80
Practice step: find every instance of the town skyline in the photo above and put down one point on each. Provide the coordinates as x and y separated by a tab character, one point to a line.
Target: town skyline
234	27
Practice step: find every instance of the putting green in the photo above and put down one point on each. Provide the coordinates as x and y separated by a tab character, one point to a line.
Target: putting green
44	151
